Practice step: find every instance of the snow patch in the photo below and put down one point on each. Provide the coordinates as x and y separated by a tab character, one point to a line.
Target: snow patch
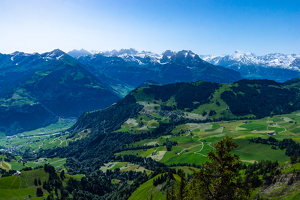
58	57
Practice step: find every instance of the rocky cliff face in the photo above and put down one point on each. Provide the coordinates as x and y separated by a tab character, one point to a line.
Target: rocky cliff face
282	186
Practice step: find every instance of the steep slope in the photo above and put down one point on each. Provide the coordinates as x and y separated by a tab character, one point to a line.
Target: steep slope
242	99
37	88
185	66
296	63
245	98
133	68
276	66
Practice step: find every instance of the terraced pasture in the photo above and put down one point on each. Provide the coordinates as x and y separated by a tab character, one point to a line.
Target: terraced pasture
203	136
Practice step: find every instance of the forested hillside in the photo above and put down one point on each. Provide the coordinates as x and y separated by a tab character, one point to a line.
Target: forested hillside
36	89
248	98
196	98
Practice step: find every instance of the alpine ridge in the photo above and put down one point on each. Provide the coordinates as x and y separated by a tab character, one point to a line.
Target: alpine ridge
275	66
131	67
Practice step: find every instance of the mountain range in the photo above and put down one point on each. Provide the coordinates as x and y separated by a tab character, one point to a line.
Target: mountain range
186	116
36	89
274	66
130	67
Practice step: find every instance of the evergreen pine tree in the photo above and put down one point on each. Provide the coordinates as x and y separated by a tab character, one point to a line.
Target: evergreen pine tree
62	175
293	159
216	179
182	193
39	192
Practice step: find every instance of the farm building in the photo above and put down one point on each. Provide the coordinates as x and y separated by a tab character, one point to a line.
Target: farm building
110	165
274	133
17	173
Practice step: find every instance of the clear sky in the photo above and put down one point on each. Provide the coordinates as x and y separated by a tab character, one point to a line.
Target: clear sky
203	26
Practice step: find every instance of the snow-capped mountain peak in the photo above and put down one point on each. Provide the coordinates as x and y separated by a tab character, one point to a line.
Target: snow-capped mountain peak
132	55
277	60
187	57
55	54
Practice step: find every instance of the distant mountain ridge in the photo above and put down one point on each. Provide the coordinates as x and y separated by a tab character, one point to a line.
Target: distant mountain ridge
38	88
81	52
286	61
268	60
274	66
132	67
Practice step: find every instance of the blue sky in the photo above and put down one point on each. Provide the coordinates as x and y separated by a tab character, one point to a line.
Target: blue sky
203	26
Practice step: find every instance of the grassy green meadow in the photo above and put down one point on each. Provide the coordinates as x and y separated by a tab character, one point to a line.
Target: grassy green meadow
198	138
20	187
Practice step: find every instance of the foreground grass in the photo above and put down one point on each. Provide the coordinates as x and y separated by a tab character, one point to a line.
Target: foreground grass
20	187
146	189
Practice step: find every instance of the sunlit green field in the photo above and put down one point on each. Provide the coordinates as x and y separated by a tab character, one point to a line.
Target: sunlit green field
20	187
147	189
199	138
49	137
14	165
